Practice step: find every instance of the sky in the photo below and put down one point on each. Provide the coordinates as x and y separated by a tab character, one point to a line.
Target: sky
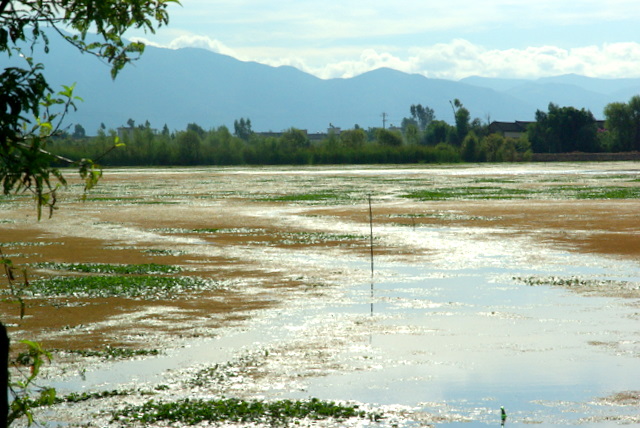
449	39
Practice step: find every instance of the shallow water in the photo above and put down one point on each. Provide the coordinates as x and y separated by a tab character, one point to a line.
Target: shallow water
442	327
456	341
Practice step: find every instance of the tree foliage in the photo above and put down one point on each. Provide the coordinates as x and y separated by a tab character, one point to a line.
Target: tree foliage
423	116
563	129
30	111
623	123
242	128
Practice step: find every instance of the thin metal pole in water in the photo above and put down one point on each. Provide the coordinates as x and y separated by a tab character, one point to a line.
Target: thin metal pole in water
371	246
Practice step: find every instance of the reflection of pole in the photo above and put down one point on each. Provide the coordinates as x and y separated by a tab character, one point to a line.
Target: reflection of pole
371	233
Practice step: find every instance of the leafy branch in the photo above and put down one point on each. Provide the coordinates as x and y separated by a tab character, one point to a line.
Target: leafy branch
17	289
25	393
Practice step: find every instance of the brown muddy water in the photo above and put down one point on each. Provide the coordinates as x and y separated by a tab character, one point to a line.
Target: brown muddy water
498	285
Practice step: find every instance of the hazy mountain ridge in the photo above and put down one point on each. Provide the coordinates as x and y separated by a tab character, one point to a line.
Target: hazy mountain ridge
175	87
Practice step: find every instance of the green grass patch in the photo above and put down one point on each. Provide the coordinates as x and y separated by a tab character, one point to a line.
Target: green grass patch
117	286
111	199
193	412
609	193
552	192
571	282
25	244
139	269
481	192
317	237
304	197
112	353
163	252
75	397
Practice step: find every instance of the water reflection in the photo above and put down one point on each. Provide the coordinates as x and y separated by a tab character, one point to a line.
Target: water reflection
460	342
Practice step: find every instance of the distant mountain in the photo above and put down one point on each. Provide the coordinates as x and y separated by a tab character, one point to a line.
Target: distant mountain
566	90
176	87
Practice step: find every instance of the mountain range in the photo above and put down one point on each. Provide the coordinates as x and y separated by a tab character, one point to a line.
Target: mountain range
190	85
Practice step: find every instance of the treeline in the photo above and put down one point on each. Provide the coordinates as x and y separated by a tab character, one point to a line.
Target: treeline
567	129
220	147
420	139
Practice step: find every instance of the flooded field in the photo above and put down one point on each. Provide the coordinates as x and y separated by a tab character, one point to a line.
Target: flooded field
490	286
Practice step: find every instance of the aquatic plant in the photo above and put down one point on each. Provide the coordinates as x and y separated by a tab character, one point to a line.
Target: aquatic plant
112	352
193	412
571	282
305	197
117	286
135	269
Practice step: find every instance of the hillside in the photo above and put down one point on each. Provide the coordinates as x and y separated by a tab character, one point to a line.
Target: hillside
175	87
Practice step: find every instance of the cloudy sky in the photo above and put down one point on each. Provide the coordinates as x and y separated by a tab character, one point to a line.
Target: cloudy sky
443	39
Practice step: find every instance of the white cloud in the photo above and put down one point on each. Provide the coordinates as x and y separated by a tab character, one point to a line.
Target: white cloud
453	60
461	58
191	41
253	21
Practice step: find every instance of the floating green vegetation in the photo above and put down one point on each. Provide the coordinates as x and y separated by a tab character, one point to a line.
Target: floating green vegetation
551	192
126	199
117	286
75	397
193	412
208	230
608	193
469	193
25	244
494	180
112	353
146	202
305	197
572	282
442	216
139	269
308	238
163	252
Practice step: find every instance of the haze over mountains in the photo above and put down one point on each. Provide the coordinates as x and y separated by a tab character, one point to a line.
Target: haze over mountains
177	87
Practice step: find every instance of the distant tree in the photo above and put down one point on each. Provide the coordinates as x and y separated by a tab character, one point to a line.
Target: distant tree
470	148
188	147
353	138
422	116
294	139
196	128
406	123
437	132
623	124
78	131
462	119
563	129
131	123
242	129
412	134
386	137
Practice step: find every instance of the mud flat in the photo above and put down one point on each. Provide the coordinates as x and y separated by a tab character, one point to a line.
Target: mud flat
498	285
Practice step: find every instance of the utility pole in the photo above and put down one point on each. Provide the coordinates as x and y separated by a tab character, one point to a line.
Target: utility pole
384	120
